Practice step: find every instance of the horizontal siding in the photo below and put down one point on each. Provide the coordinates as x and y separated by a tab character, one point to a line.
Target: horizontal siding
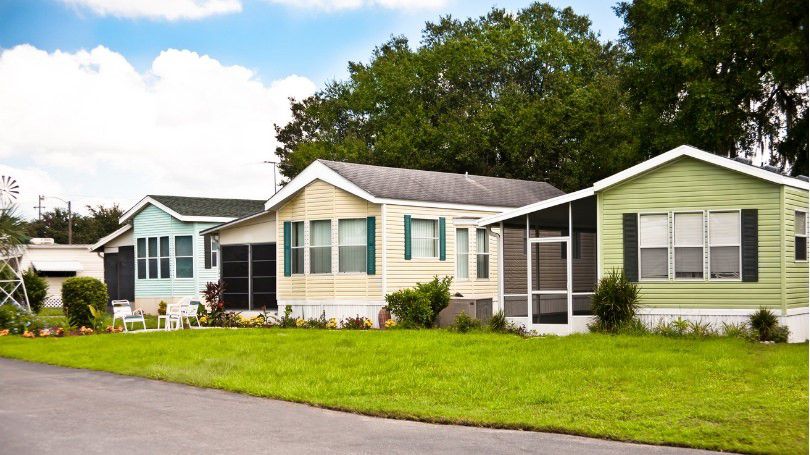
796	272
403	273
689	184
322	201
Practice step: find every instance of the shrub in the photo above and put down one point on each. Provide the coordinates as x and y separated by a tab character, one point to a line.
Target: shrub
740	330
437	292
780	334
614	301
37	289
633	327
465	323
411	308
17	320
77	294
287	320
498	323
764	322
162	307
356	323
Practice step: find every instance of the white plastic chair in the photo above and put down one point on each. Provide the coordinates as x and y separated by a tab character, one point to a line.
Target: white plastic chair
190	310
123	311
173	319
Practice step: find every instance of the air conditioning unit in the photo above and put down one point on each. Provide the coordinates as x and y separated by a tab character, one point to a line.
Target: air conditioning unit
478	308
42	241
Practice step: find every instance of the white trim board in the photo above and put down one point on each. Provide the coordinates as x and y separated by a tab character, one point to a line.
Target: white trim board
234	222
520	211
110	237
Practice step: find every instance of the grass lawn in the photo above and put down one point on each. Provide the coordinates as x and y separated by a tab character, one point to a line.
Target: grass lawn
722	394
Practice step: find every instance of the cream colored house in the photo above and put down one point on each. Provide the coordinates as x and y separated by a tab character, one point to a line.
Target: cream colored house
56	263
348	234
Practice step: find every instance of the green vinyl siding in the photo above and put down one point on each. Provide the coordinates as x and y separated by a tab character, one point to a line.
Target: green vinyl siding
154	222
689	184
796	272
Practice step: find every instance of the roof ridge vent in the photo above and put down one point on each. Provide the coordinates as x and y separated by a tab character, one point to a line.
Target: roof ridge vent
770	168
742	159
802	177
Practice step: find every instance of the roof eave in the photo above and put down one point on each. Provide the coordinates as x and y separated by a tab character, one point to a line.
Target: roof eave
544	204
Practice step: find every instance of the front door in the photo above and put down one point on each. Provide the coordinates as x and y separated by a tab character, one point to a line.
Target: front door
549	305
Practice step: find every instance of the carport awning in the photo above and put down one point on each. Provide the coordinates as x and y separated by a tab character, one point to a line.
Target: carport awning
57	266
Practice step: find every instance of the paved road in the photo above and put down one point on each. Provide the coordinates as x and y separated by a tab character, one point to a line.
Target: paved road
46	409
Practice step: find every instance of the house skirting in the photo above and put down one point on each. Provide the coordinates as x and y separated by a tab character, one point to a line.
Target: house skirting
796	319
339	309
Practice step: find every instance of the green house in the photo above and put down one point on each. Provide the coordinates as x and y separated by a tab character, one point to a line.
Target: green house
706	237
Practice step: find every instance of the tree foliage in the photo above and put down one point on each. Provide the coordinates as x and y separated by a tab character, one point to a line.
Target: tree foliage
728	76
99	222
531	95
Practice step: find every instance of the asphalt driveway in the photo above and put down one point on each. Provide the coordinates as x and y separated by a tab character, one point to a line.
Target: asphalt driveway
47	409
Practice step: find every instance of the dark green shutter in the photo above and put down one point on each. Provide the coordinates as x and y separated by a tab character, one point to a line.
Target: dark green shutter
371	249
442	240
287	250
207	250
407	237
630	238
750	244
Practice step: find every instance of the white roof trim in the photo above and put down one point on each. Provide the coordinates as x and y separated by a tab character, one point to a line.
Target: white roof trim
110	237
233	223
526	209
148	200
687	150
320	171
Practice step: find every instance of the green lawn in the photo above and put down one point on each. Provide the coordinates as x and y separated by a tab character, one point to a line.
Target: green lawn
718	394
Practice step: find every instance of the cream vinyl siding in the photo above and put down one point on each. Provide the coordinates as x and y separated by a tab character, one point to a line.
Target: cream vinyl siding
796	272
322	201
402	273
261	229
92	263
688	184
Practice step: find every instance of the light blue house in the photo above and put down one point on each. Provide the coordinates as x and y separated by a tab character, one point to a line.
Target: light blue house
171	258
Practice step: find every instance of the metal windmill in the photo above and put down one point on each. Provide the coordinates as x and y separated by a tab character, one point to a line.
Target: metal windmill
10	284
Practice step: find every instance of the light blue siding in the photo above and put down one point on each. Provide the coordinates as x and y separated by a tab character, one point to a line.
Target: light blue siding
154	222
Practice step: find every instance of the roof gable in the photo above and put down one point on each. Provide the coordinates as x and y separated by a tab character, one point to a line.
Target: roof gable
197	209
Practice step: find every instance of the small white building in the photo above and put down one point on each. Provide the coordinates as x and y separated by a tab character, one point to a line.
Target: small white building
56	263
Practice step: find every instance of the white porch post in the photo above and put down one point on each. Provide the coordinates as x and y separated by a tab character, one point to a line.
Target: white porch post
501	271
569	261
528	276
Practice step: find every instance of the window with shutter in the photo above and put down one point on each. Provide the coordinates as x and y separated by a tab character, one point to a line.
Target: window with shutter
482	254
653	245
352	245
724	245
800	236
320	246
462	253
297	247
425	238
688	244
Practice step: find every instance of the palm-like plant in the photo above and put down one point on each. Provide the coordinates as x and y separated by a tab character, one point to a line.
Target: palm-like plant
12	230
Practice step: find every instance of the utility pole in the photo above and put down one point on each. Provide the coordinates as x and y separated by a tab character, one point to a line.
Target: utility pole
39	207
70	225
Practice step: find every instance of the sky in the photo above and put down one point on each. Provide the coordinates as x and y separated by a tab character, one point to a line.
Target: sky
105	101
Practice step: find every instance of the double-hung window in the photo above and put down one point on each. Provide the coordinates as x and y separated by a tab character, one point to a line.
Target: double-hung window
352	245
153	257
724	245
462	253
653	244
800	236
214	250
688	243
482	253
320	246
425	238
297	248
183	256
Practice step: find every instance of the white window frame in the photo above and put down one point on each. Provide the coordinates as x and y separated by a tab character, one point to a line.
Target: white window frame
175	257
303	247
797	234
466	258
214	239
484	253
703	220
435	222
668	246
147	257
364	245
709	242
310	246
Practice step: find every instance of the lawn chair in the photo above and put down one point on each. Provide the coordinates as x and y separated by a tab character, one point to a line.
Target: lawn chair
191	310
123	311
173	319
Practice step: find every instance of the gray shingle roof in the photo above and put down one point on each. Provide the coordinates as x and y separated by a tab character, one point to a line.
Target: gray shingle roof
430	186
215	207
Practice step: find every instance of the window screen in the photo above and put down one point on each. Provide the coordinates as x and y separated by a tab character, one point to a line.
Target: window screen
800	236
482	253
688	242
297	248
653	243
320	246
352	244
425	238
724	245
462	253
183	256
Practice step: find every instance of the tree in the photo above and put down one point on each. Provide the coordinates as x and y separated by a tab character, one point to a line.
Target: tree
86	229
728	76
12	229
531	95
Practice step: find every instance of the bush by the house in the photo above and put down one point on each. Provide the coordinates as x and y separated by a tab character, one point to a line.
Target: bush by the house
37	289
356	323
162	308
438	293
766	326
614	301
214	297
18	321
465	323
287	321
411	308
77	294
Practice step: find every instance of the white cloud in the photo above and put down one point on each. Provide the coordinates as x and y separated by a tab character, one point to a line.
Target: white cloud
335	5
189	125
159	9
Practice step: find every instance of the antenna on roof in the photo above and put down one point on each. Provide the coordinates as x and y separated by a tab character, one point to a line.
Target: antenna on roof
275	185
